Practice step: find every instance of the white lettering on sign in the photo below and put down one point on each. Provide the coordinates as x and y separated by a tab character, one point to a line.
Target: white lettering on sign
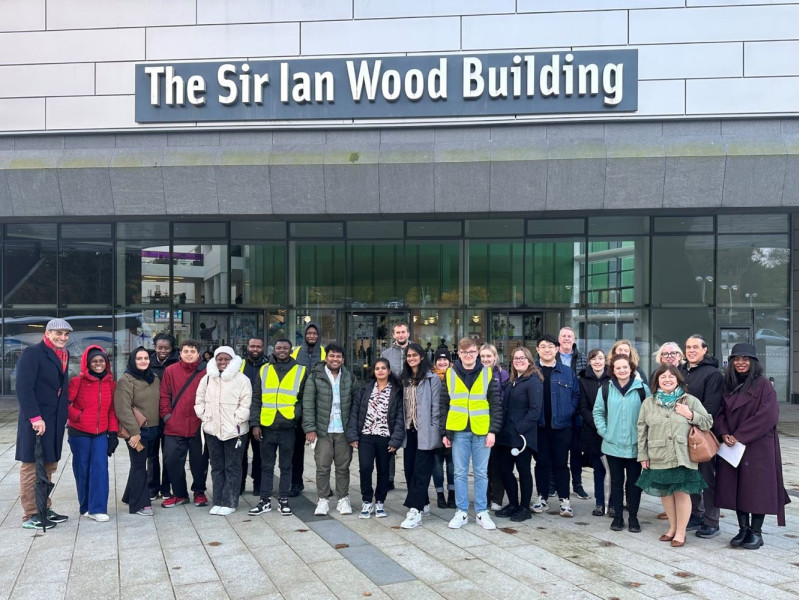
248	89
303	88
393	85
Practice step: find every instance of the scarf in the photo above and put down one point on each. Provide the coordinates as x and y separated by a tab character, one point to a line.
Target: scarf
61	353
411	418
132	370
668	399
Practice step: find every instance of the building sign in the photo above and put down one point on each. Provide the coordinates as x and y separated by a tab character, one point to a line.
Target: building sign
597	81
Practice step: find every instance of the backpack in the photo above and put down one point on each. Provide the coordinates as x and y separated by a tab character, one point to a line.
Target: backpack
606	391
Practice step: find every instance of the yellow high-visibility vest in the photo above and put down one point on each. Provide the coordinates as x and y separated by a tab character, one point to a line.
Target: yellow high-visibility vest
468	406
279	395
296	352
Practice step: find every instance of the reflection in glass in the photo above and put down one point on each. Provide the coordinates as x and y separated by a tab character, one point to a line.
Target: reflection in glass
29	265
682	270
258	273
320	273
85	273
200	273
143	273
604	327
432	272
553	271
772	340
617	272
753	264
496	273
375	274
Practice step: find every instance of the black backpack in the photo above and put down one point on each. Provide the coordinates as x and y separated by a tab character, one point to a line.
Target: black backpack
606	391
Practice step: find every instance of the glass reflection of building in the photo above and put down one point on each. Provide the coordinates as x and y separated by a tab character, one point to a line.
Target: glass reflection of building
649	279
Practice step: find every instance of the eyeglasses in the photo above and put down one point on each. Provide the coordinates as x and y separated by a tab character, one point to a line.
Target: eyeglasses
520	359
670	354
467	352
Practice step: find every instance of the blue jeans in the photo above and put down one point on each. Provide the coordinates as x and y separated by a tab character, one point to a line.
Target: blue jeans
465	446
90	466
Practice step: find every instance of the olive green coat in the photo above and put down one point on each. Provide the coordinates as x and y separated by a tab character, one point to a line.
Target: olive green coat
663	434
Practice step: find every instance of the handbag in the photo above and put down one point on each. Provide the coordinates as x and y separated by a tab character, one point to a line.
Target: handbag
702	445
140	419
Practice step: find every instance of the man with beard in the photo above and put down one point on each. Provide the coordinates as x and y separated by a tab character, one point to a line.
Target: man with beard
396	358
164	354
251	367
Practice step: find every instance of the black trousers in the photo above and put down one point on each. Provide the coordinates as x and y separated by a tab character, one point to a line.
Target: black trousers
553	457
298	457
225	469
175	450
506	462
272	442
137	490
373	449
618	486
418	471
157	475
247	442
576	457
496	485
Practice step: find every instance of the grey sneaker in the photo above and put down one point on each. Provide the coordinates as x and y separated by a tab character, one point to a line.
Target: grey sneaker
366	510
147	511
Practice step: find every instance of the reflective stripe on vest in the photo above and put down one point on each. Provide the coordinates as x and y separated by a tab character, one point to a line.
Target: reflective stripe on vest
279	395
468	407
295	353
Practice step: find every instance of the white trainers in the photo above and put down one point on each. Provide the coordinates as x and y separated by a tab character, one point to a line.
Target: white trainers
215	509
380	511
322	507
539	506
459	520
343	506
225	511
99	517
426	510
485	520
412	520
566	508
495	506
366	510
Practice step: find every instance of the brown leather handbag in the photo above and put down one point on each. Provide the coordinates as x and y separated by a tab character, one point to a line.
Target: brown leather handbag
140	419
702	445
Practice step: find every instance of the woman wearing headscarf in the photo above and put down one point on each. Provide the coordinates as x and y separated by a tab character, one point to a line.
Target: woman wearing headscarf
138	388
749	415
222	404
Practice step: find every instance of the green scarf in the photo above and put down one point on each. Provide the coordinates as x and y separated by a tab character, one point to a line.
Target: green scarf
668	399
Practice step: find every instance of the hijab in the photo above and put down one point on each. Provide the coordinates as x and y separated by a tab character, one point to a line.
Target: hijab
132	370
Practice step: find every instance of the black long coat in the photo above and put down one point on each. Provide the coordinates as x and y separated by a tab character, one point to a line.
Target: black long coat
41	391
589	386
756	486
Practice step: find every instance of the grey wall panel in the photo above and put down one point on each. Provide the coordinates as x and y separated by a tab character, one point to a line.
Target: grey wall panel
243	190
790	192
86	191
35	193
406	188
137	190
754	181
190	190
634	183
518	185
351	189
461	187
693	182
575	184
6	208
297	190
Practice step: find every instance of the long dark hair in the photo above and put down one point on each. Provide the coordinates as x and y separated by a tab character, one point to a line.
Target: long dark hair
422	370
731	377
392	379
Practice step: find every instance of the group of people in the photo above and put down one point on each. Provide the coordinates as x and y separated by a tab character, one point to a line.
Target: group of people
466	415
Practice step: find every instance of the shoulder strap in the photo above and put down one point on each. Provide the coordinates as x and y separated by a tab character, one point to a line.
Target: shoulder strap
605	391
642	393
183	389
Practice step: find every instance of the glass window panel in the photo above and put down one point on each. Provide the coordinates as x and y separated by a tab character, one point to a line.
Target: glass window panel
495	228
85	276
677	325
35	231
496	273
753	264
83	231
258	274
434	229
20	330
376	274
683	224
258	230
317	230
150	230
142	273
200	231
772	339
553	271
617	272
432	273
761	223
133	329
682	270
604	327
320	273
360	230
29	265
618	225
200	273
537	227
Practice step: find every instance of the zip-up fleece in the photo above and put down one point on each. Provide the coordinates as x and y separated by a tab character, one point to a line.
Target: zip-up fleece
91	400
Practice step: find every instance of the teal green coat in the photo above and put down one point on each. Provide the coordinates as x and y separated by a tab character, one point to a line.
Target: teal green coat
619	427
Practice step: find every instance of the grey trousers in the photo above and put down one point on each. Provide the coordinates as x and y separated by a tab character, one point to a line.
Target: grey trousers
332	448
225	469
704	505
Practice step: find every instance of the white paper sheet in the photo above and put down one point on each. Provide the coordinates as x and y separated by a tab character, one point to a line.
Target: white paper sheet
732	454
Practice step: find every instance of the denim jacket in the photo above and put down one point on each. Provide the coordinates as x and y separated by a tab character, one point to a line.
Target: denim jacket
565	396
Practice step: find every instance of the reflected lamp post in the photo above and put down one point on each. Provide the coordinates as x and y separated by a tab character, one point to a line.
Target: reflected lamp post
750	297
704	281
730	289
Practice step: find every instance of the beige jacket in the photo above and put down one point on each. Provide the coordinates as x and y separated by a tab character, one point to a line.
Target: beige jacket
223	400
132	392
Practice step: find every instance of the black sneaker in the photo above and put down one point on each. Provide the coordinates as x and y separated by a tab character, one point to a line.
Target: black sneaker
55	517
522	514
611	512
390	485
617	524
283	506
634	526
35	523
706	531
263	506
294	491
598	511
506	512
694	523
581	493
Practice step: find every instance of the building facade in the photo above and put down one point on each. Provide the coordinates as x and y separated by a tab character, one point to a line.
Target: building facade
651	223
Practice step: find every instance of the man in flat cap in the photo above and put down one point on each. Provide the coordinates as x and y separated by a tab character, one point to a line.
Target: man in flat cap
42	380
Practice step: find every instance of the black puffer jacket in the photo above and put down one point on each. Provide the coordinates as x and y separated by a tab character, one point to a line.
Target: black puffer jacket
589	386
396	414
521	409
705	382
280	422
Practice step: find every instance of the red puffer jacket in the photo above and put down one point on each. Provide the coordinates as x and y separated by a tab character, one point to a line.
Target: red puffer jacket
91	400
180	420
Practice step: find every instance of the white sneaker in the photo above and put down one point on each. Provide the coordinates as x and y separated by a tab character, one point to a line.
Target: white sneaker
539	506
459	520
495	506
225	511
366	510
343	506
99	517
322	507
485	520
426	510
380	511
412	520
215	510
566	508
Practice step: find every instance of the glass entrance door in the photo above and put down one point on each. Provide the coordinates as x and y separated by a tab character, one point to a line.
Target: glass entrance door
220	328
368	334
508	330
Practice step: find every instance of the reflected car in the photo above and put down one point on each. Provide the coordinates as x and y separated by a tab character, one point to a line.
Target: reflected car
771	337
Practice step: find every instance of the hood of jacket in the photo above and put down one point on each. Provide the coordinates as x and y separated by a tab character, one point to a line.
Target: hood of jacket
233	367
708	360
315	325
589	374
84	362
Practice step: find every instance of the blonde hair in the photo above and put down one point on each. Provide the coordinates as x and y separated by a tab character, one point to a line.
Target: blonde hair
466	343
658	355
634	356
491	348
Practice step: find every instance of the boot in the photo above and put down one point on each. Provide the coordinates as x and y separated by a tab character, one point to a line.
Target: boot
754	537
442	502
743	528
451	499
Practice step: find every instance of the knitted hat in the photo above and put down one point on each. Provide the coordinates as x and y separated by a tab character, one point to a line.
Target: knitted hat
95	352
58	324
225	350
443	353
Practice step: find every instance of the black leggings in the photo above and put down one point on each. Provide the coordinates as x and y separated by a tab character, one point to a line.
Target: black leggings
506	462
618	485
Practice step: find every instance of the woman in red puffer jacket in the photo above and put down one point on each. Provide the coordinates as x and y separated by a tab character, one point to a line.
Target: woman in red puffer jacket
92	426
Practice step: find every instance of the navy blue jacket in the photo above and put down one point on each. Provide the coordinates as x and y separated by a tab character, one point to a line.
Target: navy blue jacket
41	391
521	409
565	396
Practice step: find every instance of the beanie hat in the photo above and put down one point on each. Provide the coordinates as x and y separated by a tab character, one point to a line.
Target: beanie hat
95	352
58	324
443	353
